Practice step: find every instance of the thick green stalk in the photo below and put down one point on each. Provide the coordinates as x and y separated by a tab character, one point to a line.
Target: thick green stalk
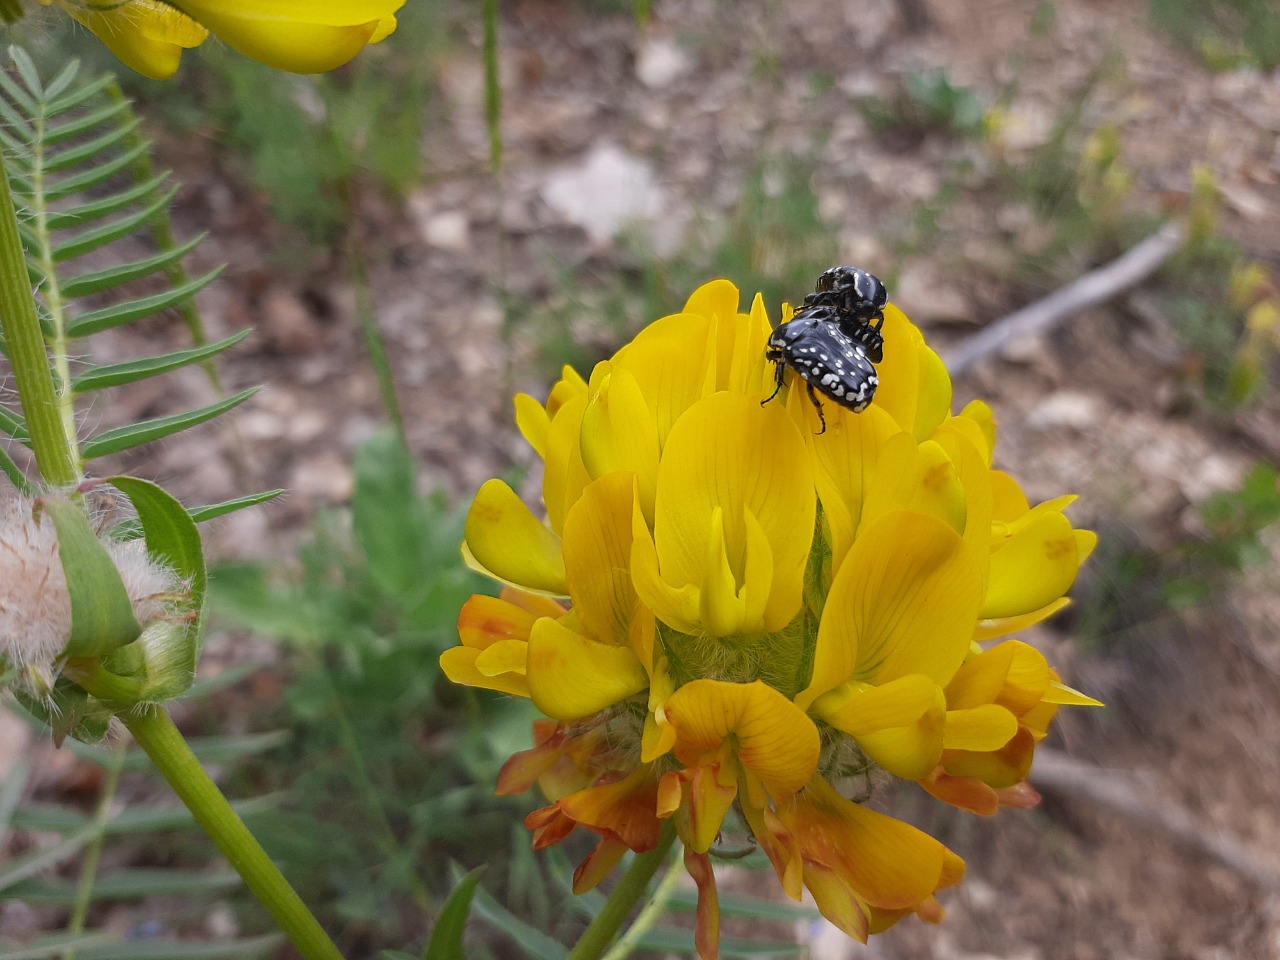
168	750
591	945
31	369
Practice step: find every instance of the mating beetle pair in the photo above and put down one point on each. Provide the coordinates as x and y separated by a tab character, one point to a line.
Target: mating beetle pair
832	341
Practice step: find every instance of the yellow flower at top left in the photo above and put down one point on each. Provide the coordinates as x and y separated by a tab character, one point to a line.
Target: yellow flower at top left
300	36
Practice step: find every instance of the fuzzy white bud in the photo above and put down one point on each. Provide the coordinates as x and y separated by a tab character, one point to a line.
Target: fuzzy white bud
35	608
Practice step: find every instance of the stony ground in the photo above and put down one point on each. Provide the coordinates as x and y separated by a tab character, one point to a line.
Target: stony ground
606	127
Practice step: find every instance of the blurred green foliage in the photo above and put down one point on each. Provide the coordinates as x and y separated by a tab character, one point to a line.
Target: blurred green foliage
928	102
390	768
1227	34
1133	585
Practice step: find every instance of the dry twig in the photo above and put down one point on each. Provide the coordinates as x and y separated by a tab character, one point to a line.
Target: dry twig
1093	288
1056	772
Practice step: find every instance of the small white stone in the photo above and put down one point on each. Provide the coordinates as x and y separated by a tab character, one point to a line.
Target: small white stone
1066	408
450	230
660	61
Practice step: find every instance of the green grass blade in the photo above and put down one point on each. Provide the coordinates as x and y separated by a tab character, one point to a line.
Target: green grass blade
127	885
184	950
56	819
19	869
110	232
97	320
100	280
115	374
56	945
531	941
136	434
11	792
451	923
214	749
96	209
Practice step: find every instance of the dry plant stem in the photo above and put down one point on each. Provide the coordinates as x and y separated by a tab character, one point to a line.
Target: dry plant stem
159	737
27	354
591	945
1058	773
1093	288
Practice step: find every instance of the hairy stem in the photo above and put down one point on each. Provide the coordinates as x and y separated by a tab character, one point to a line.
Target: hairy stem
41	406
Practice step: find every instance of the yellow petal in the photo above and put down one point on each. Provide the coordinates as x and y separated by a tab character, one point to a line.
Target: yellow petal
981	414
565	474
983	728
597	558
1032	568
511	544
775	740
729	454
905	601
1002	627
146	36
533	422
845	459
619	433
459	665
1068	696
671	363
302	36
914	386
571	677
899	725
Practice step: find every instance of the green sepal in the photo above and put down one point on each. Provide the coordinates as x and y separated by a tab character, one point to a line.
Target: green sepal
68	711
167	652
102	617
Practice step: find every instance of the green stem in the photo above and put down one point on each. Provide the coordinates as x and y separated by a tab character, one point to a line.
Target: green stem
31	363
651	914
591	945
157	735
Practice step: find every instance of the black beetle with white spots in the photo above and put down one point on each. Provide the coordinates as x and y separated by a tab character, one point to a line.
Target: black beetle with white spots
834	341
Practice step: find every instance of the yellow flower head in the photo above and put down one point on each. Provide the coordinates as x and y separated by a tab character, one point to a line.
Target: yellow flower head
731	608
301	36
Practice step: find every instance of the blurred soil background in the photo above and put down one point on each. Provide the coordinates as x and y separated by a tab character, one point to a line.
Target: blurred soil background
976	156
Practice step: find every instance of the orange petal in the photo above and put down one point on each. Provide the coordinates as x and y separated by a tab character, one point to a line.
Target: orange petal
625	810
